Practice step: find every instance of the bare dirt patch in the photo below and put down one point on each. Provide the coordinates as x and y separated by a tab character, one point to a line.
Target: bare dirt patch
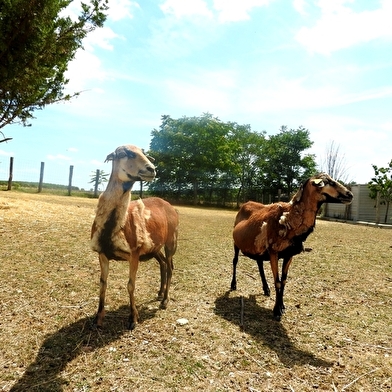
335	335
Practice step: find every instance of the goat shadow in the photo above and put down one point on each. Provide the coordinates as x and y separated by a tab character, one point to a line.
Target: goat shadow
64	345
260	324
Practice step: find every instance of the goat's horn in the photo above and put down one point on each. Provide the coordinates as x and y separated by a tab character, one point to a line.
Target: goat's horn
298	195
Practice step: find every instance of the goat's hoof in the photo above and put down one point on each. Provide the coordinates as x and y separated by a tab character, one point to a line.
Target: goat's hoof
96	327
132	325
164	304
97	323
233	287
267	293
132	321
278	312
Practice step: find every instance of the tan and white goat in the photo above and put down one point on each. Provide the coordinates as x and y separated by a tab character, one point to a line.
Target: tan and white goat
274	231
132	230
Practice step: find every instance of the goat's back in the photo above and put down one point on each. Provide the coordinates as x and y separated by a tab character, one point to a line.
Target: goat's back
152	223
247	210
256	225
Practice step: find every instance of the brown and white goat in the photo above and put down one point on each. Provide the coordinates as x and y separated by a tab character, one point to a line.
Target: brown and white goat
277	231
132	230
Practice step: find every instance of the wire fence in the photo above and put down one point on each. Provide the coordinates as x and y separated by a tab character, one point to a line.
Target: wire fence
16	173
64	178
35	176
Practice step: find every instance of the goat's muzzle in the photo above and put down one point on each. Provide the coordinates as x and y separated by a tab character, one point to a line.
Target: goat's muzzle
148	174
346	198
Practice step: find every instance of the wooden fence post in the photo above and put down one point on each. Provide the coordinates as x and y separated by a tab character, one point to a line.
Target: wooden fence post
96	183
11	174
70	180
41	177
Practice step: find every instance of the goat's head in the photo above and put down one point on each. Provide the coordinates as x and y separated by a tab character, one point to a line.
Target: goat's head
130	163
325	190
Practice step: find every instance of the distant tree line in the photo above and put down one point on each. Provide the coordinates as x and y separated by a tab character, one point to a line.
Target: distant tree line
203	160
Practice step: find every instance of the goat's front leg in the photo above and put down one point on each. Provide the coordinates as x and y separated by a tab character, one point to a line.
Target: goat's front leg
104	264
278	310
285	270
133	266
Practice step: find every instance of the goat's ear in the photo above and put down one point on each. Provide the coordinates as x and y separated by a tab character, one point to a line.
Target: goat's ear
110	157
318	182
150	158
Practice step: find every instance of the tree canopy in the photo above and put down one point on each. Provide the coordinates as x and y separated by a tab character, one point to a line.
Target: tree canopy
380	186
206	160
37	41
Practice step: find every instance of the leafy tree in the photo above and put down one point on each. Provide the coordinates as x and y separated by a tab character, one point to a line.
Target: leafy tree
37	41
381	184
203	157
247	149
192	152
284	164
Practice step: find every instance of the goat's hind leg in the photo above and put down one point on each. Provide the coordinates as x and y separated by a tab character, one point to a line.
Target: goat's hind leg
104	264
266	288
133	267
168	262
163	270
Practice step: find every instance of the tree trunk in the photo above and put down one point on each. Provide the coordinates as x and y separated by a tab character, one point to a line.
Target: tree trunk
195	192
386	212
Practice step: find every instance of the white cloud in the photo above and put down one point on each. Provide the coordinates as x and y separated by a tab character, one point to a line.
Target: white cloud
299	6
121	9
237	10
224	10
58	157
265	96
96	162
86	66
6	153
82	70
212	95
181	8
340	27
101	38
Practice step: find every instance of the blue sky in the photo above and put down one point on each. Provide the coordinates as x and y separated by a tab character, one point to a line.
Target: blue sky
325	65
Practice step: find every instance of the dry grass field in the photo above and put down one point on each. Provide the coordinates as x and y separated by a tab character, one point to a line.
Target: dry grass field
336	334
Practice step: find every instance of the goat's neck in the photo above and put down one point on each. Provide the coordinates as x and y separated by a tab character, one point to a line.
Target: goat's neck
116	197
301	217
